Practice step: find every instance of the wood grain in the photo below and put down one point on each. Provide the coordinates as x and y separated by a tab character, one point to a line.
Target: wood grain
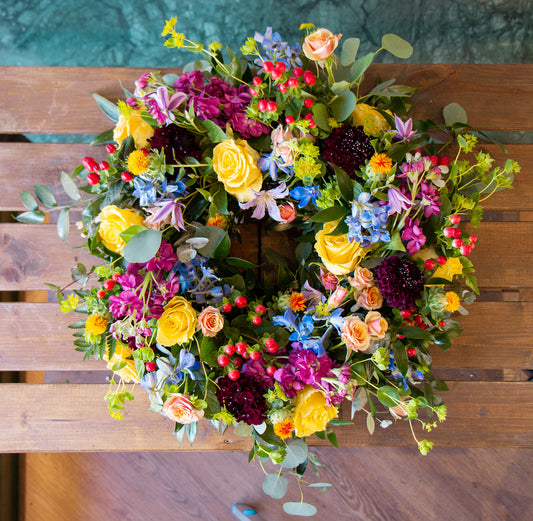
71	417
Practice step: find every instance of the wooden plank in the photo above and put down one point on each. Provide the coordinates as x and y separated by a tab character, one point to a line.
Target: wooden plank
39	339
32	254
64	105
42	164
73	417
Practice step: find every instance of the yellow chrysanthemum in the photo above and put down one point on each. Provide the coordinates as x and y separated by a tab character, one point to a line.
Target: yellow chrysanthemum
138	162
453	302
297	302
381	163
96	324
284	429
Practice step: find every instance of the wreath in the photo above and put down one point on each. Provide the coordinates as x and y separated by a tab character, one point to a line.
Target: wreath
379	267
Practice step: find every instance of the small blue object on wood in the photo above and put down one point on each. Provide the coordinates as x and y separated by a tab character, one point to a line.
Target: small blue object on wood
241	511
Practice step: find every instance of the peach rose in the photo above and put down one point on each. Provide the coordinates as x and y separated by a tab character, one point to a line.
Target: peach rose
178	407
329	280
377	325
362	278
320	45
336	298
210	321
287	212
370	298
355	334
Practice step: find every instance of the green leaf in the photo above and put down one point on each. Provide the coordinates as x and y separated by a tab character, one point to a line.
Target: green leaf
396	243
302	252
388	396
103	138
208	351
321	116
400	357
70	187
349	51
28	201
215	236
215	133
169	79
296	453
131	232
397	46
243	430
343	105
106	106
34	217
339	86
454	113
275	486
45	195
222	250
437	281
415	332
332	438
345	184
63	223
143	246
241	263
370	424
299	509
360	66
220	200
333	213
275	258
319	485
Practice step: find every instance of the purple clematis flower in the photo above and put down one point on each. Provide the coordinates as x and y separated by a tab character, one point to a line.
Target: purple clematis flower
166	104
167	211
404	130
398	201
266	200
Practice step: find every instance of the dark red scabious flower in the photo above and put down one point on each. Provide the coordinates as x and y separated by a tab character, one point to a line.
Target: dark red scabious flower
176	142
348	148
243	398
400	281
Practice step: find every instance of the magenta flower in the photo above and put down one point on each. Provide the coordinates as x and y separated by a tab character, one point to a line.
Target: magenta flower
266	200
429	199
164	259
413	233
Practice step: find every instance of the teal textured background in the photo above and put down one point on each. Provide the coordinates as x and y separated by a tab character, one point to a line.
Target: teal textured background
127	32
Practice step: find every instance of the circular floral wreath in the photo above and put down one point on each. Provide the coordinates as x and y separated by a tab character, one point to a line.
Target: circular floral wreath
282	135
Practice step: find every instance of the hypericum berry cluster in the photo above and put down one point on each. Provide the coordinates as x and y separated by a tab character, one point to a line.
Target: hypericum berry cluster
464	243
108	285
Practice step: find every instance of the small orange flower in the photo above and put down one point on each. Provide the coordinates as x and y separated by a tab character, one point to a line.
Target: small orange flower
453	302
284	428
138	162
96	324
218	220
381	163
297	302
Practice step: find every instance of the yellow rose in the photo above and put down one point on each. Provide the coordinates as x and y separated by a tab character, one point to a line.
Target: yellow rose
122	354
114	221
339	255
177	323
369	118
133	125
235	163
311	413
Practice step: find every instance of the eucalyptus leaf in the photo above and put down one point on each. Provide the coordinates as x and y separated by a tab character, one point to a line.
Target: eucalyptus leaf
34	217
360	66
349	51
321	116
275	486
103	138
296	453
28	200
299	509
143	246
397	46
70	187
340	86
170	78
370	424
454	113
45	195
215	236
106	106
343	105
400	357
319	485
132	231
63	224
243	430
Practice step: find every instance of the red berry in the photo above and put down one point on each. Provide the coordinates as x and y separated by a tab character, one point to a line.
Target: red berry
144	151
257	81
109	284
241	347
104	165
419	320
110	149
434	160
458	233
308	103
227	307
283	88
126	177
405	313
237	361
229	349
441	260
276	74
262	105
293	82
429	264
150	366
444	161
449	232
289	120
308	117
271	345
272	106
309	78
457	243
241	302
100	293
281	67
257	320
423	326
312	123
115	276
89	164
442	324
246	354
234	374
268	66
254	355
298	71
465	249
253	92
455	219
473	239
270	370
223	360
401	337
93	178
260	309
411	352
